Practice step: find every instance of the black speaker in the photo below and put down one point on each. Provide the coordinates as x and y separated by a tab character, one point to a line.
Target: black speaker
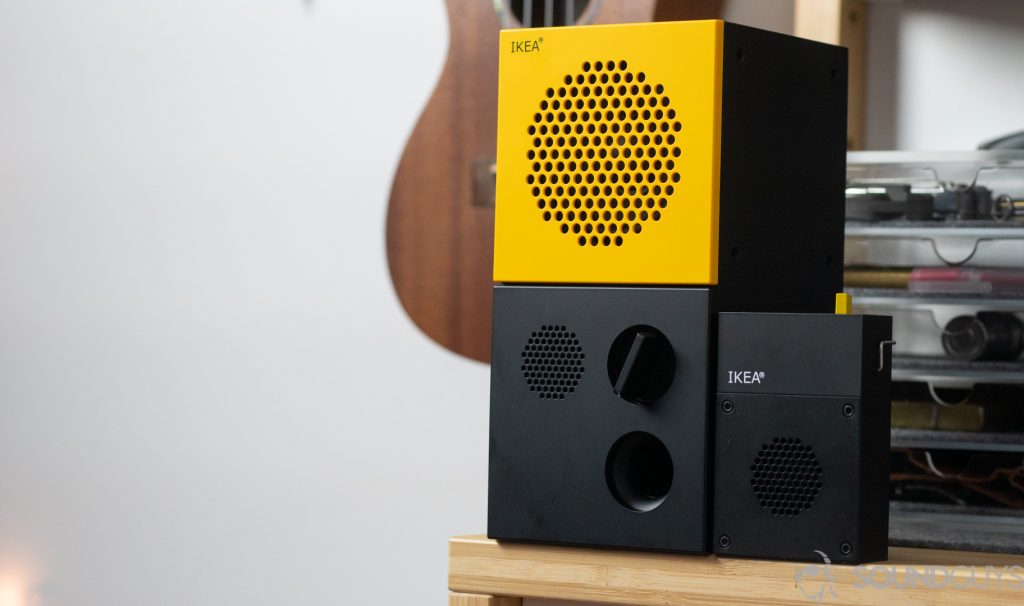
599	401
801	454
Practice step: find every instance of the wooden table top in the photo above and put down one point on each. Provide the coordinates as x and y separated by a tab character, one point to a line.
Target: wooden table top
478	565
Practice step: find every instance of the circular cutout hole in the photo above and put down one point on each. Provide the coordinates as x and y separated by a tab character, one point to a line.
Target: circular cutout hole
639	471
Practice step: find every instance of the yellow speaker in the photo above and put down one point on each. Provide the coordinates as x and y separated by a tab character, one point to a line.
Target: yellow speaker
680	153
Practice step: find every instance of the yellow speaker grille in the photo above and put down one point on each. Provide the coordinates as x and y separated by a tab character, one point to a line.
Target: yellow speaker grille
603	153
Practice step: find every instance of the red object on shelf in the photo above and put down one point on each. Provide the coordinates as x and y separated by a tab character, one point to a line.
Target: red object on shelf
966	280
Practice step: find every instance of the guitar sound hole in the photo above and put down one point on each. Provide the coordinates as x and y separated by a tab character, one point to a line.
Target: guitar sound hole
547	13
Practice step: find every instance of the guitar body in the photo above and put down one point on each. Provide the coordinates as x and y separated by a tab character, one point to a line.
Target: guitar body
440	224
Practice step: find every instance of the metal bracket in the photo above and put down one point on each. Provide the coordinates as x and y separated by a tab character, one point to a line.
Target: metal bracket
881	354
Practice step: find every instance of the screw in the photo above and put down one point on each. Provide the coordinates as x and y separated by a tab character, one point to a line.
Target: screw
728	407
846	549
848	410
724	541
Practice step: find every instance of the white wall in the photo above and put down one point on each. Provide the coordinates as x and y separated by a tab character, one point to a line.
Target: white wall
208	393
944	74
774	15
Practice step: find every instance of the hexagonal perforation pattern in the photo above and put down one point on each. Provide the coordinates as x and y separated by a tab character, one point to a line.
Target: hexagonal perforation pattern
604	153
786	477
552	362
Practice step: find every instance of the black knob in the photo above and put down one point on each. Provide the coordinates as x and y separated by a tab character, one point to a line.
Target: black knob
641	364
987	336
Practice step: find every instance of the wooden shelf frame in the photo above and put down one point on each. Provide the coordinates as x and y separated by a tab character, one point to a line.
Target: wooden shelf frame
841	22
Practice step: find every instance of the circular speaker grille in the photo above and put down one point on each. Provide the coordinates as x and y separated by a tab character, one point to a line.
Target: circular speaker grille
787	476
553	362
603	153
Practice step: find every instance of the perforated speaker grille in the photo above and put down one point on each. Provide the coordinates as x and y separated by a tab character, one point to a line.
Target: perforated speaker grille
553	362
786	477
604	153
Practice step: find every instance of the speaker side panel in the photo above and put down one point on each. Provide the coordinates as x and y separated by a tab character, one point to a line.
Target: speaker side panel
782	172
877	396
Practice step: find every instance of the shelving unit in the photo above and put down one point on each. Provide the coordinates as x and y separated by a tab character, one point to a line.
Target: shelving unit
892	297
935	439
943	245
885	252
954	374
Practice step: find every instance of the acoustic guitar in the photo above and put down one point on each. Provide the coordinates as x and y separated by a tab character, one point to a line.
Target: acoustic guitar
440	224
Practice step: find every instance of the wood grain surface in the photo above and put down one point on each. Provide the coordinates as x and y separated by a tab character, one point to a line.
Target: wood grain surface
477	564
469	599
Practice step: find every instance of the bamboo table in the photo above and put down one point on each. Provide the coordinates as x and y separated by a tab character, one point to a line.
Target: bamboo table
482	572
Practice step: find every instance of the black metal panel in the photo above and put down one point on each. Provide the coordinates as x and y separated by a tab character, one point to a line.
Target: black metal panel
550	475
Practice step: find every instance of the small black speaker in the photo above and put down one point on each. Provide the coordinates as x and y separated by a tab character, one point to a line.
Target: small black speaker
801	454
599	402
